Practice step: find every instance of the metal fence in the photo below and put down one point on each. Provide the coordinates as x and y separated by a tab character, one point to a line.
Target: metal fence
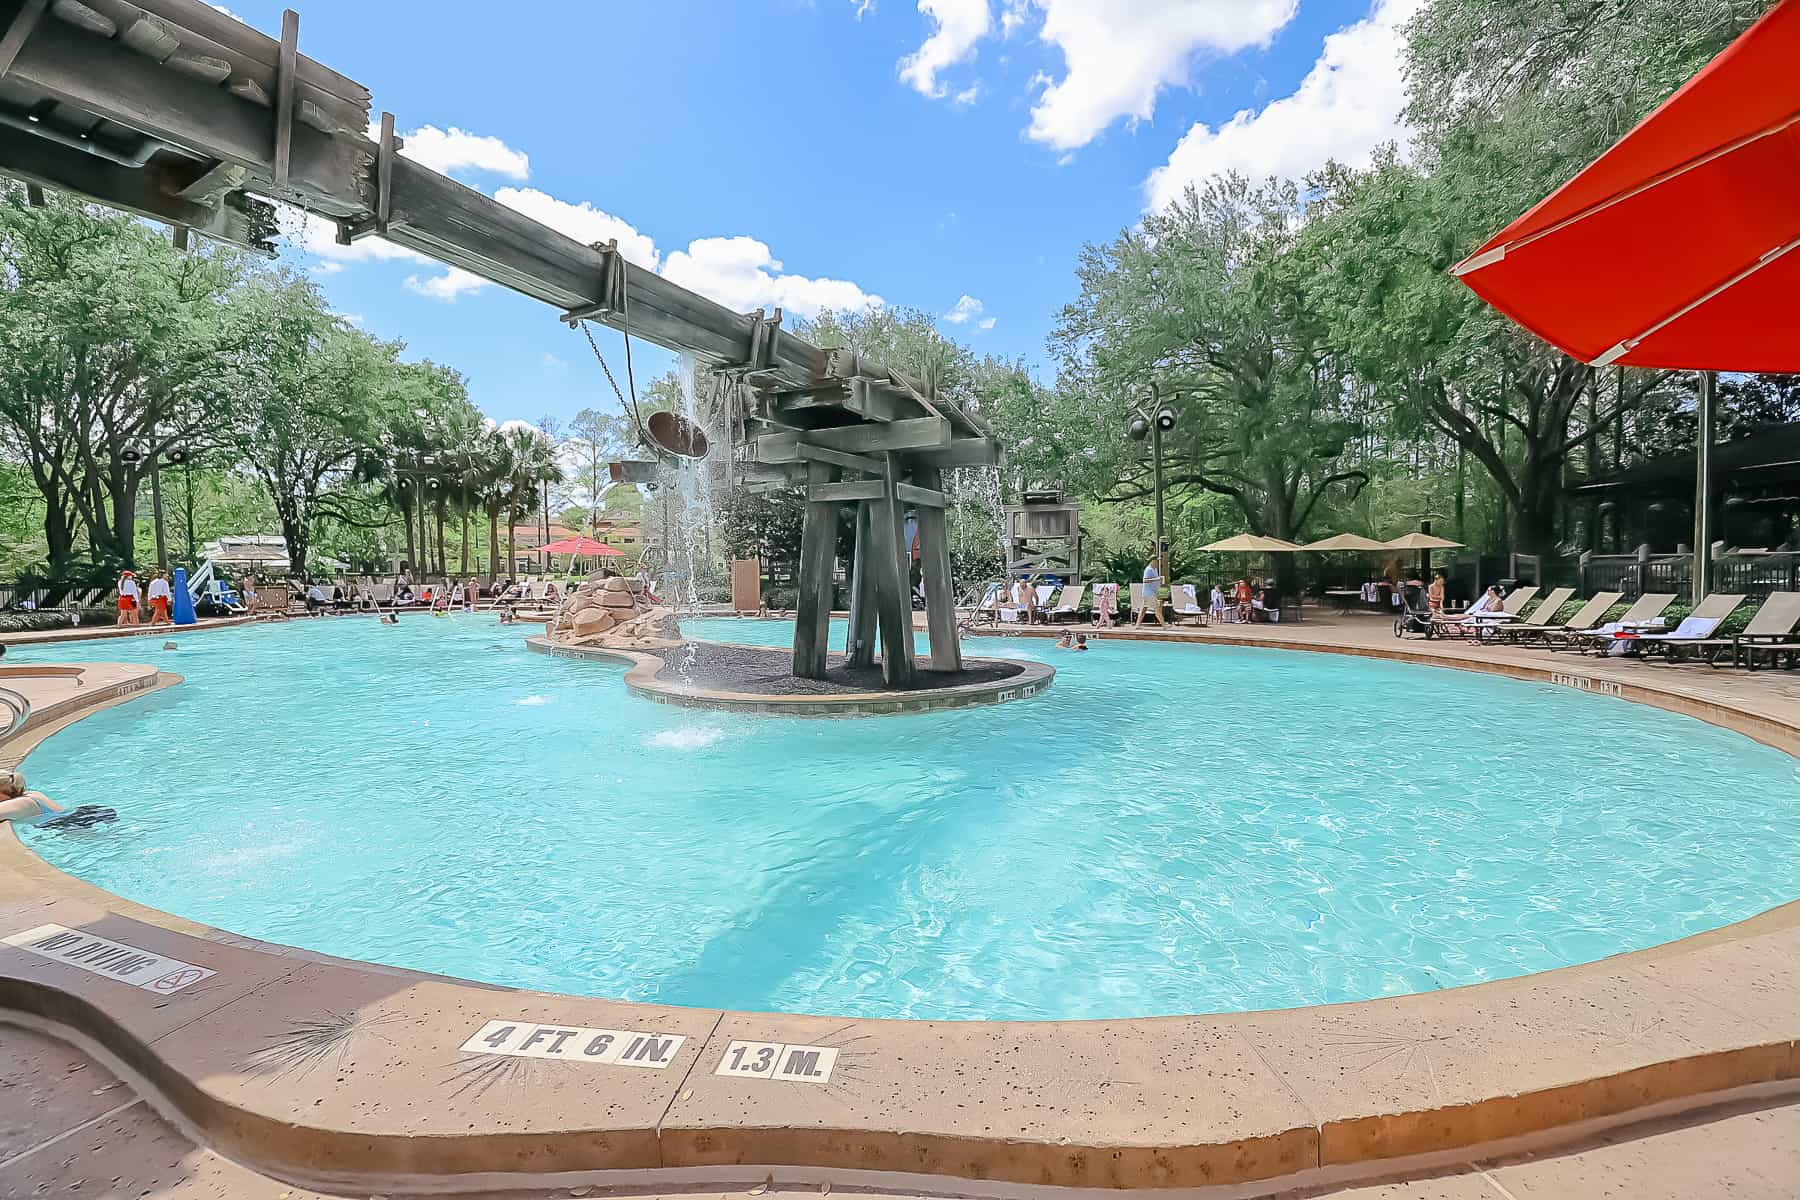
1752	575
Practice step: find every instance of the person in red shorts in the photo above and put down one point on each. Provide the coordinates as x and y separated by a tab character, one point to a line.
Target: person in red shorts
128	599
158	594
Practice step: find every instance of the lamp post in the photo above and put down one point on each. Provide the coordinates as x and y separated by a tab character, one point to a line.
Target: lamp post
1153	424
175	456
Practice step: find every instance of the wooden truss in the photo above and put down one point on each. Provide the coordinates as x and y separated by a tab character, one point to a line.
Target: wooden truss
173	110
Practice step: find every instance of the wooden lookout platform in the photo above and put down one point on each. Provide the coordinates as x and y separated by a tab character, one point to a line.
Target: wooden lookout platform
176	111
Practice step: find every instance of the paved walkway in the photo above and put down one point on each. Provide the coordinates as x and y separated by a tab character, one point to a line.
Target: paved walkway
70	1128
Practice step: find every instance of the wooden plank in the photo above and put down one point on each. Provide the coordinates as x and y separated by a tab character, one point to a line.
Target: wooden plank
255	53
860	638
854	462
893	602
963	452
838	493
385	153
818	554
287	70
920	433
940	589
923	497
24	21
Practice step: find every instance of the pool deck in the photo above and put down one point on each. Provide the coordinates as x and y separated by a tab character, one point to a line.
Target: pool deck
360	1080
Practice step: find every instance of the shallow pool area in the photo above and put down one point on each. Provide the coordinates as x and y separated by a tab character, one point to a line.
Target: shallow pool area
1168	829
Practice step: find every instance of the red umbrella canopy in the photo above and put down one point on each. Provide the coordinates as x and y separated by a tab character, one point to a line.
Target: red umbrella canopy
1680	246
585	546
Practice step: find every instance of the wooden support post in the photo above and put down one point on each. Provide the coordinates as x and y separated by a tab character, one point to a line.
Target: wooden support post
893	601
384	174
860	642
818	558
286	74
940	592
22	24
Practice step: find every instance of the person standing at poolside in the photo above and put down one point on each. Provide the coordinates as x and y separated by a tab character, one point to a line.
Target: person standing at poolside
1435	594
128	598
158	593
1106	602
1152	594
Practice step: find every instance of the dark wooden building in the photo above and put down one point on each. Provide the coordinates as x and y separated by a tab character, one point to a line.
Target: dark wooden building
1756	502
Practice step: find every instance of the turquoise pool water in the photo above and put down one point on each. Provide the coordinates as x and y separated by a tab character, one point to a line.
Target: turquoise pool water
1166	830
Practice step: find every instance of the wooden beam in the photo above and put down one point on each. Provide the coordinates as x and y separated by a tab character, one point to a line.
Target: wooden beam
940	590
386	150
23	22
839	493
213	182
963	452
860	638
855	462
286	72
924	497
327	174
919	433
893	596
818	556
246	222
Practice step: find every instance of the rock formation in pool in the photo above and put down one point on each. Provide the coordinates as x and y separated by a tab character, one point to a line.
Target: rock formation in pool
614	613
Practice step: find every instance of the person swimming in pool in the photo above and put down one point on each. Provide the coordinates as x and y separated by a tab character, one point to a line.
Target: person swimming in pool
34	808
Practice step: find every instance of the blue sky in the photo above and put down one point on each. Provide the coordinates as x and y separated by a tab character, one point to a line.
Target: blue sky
946	155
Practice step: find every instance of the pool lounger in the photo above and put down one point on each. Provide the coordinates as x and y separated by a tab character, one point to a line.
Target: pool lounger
1648	607
1540	616
1697	627
1585	619
1771	632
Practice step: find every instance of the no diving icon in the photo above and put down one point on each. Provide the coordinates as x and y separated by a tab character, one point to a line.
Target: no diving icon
778	1060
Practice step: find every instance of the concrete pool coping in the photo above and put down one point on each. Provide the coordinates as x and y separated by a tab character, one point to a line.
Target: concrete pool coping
646	679
318	1070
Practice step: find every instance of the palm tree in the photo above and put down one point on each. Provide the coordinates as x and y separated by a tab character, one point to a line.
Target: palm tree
533	461
496	473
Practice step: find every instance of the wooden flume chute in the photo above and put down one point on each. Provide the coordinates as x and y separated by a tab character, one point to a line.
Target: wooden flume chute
178	112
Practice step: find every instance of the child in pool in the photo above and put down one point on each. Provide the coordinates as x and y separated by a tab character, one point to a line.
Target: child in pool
17	804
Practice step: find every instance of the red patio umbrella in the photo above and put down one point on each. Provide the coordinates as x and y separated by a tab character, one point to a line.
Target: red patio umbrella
1680	246
587	547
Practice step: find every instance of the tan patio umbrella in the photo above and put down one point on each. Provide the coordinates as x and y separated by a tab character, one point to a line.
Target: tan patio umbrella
1421	541
1347	543
1250	543
1424	543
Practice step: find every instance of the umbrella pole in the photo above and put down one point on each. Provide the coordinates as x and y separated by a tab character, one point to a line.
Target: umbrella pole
1703	515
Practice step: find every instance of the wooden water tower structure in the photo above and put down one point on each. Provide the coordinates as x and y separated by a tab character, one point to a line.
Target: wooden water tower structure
1043	533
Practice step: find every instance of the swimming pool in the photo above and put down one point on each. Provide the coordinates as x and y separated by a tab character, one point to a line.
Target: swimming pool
1168	829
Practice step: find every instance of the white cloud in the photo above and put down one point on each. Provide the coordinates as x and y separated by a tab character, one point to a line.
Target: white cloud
1348	104
552	363
583	222
964	310
1119	56
453	283
959	25
863	8
453	150
1013	16
740	273
987	323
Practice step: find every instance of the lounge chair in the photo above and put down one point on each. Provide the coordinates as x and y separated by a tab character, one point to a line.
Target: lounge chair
1698	626
1068	605
1539	618
1183	603
1771	632
1044	592
1585	618
1486	626
1647	608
